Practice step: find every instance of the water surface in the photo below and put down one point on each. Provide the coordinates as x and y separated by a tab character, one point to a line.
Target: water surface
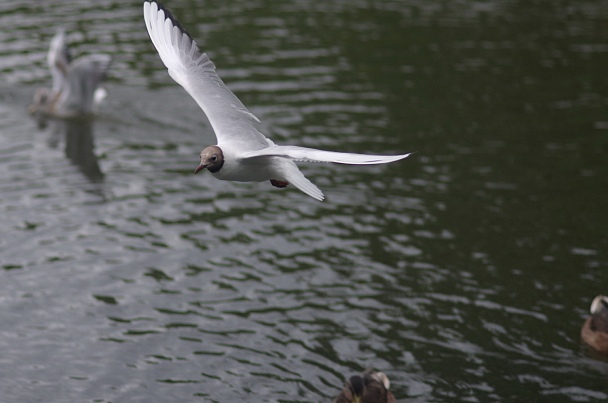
463	272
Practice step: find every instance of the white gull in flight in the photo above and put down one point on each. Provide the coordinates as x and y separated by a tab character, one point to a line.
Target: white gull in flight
242	153
75	90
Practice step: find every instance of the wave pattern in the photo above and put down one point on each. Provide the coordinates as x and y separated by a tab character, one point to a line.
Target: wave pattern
125	277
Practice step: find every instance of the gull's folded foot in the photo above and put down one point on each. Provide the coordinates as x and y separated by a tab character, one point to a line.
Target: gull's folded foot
279	184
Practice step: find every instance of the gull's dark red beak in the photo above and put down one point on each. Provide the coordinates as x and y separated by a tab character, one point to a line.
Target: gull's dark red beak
199	168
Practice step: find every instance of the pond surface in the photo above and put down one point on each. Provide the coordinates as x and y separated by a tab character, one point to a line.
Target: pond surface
463	272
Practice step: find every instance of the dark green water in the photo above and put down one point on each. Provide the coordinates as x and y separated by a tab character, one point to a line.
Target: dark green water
464	272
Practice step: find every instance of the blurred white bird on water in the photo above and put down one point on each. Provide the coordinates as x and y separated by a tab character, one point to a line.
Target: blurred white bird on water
75	91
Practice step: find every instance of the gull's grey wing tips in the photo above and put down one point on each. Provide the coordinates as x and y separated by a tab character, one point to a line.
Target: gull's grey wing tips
168	16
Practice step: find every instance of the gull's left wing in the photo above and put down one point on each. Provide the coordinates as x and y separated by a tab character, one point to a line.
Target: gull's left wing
193	70
313	155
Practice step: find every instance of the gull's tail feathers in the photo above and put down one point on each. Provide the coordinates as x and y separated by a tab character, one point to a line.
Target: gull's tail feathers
294	176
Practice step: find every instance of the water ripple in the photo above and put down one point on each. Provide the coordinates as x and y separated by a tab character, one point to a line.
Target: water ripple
461	272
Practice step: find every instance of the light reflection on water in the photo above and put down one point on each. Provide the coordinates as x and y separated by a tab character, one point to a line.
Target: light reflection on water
463	272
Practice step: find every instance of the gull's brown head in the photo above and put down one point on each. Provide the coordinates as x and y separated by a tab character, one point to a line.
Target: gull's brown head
212	158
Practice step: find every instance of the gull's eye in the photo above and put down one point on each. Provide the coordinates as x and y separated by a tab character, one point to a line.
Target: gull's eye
214	158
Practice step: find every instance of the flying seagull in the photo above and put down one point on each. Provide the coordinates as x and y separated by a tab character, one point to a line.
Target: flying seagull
75	90
242	152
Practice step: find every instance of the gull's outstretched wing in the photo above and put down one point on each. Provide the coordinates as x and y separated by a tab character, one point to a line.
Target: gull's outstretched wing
82	82
58	59
313	155
193	70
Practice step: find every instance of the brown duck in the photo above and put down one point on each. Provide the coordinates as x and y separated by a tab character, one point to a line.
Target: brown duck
369	387
595	330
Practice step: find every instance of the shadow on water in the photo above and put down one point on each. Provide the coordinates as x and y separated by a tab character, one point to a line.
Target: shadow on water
77	137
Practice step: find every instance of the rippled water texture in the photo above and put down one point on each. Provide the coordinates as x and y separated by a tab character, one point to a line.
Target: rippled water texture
463	272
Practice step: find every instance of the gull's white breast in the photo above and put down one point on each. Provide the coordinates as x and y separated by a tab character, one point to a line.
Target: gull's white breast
249	170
